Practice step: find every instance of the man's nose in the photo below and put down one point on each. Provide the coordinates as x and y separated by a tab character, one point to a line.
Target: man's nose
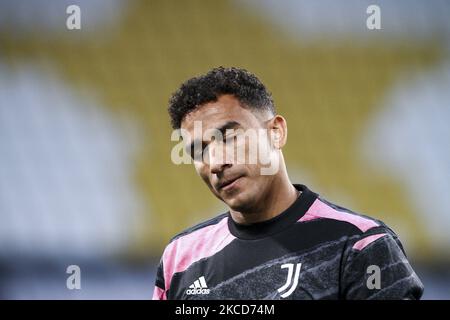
217	158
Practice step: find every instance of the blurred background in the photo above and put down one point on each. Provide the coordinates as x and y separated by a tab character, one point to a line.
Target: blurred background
85	172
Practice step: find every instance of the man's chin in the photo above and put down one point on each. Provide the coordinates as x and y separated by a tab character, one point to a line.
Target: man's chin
238	203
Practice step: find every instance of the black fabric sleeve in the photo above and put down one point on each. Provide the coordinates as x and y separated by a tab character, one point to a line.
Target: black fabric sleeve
159	282
384	258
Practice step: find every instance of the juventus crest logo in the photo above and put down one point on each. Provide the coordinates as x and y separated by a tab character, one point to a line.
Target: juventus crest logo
292	279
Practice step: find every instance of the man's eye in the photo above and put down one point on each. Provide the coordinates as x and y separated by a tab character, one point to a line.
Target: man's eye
230	138
198	151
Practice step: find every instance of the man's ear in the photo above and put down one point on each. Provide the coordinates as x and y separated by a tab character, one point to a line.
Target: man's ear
278	131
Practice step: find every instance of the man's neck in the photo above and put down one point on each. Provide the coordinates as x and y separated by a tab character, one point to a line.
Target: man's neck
281	196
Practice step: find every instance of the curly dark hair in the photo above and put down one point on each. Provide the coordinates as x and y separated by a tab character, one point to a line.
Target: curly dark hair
197	91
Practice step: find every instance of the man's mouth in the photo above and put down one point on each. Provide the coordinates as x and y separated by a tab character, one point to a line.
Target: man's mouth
228	184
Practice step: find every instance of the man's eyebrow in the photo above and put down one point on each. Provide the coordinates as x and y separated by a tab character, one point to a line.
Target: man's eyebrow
223	128
228	125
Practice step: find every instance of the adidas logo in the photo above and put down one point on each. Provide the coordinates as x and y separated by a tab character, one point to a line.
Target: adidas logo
198	287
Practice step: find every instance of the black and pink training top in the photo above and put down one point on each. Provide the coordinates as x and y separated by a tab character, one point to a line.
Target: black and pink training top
312	250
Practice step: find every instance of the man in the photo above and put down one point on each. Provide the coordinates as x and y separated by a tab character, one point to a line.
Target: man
278	240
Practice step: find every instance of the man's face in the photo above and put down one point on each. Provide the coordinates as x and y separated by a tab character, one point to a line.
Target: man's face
238	183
